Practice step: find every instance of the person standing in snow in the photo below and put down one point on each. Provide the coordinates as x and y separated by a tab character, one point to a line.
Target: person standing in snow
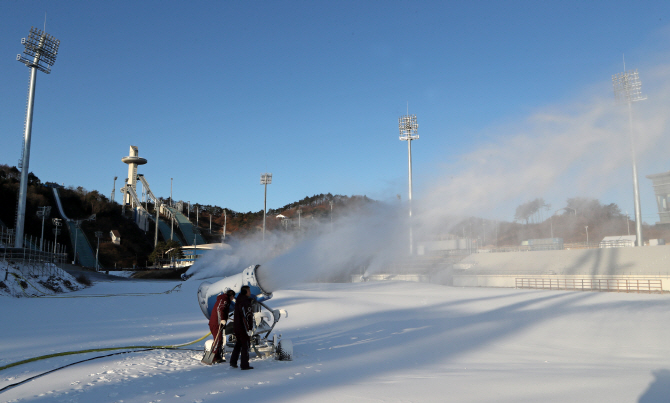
243	325
217	321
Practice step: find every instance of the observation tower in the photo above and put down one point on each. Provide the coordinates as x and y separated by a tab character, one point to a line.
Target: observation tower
133	161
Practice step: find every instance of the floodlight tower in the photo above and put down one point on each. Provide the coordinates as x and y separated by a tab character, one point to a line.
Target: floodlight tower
628	89
225	221
408	128
114	189
40	51
57	222
43	213
266	179
98	234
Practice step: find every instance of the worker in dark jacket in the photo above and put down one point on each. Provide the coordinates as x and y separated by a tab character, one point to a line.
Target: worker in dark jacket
217	320
243	325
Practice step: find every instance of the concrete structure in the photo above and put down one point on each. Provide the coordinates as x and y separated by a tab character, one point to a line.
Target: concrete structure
133	160
140	215
417	278
450	246
661	183
650	264
544	244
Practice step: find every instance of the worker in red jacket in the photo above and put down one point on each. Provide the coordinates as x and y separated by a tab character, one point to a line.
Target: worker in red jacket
217	320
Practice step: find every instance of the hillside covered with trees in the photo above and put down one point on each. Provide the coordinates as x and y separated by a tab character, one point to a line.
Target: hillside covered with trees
533	220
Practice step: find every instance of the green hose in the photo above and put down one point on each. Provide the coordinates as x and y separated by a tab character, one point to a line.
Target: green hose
43	357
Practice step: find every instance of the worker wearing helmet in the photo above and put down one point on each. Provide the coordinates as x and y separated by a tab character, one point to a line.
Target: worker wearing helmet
217	321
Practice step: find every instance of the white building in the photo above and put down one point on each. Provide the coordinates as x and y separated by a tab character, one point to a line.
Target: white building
197	252
618	241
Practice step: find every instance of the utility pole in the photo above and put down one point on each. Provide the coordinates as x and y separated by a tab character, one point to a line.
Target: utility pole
171	226
225	221
158	216
76	240
43	212
587	236
98	234
113	189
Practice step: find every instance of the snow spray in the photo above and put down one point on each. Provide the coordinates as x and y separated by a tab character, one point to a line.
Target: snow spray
580	149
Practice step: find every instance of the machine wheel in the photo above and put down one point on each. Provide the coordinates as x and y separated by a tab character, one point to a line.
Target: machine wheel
285	350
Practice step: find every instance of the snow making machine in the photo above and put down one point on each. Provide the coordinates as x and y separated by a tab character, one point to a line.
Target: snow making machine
263	343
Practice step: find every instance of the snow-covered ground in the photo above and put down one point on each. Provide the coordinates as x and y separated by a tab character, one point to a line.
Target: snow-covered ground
364	342
34	280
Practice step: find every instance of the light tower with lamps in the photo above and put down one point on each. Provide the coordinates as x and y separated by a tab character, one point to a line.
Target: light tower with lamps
408	132
628	89
57	222
40	51
587	235
266	179
225	221
43	212
114	189
98	234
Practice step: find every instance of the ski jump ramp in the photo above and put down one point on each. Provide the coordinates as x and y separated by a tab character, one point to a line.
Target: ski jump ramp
78	240
186	227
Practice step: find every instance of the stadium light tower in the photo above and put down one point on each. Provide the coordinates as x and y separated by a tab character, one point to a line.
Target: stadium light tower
628	89
266	179
40	54
98	234
408	132
225	221
114	189
43	213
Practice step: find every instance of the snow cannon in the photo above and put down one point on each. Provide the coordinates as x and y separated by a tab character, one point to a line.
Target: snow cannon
265	318
207	292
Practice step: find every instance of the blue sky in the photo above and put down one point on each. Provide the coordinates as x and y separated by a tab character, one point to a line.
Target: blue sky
216	92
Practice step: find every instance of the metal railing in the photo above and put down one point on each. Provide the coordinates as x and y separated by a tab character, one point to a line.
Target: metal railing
592	284
30	257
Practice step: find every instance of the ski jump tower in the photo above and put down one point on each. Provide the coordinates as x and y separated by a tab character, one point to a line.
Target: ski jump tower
133	160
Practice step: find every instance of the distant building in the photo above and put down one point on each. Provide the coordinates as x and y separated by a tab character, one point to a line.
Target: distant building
450	246
618	241
116	237
193	252
661	183
544	244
